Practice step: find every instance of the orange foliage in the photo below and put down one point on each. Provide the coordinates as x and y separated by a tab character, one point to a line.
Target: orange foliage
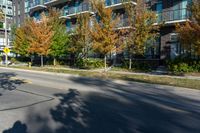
40	36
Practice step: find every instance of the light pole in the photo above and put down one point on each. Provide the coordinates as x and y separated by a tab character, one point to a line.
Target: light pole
6	35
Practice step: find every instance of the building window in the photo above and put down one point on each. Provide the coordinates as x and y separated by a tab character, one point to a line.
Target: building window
159	8
174	37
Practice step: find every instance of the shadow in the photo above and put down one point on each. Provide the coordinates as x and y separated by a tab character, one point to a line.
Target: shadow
8	82
18	127
119	108
71	112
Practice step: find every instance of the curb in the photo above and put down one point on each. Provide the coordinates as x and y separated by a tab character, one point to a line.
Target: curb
40	71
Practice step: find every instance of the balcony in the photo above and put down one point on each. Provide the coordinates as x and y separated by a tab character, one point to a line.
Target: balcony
117	4
70	12
71	28
37	5
123	23
54	2
173	16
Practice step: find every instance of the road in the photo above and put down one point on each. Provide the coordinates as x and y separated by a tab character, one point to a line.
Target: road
37	102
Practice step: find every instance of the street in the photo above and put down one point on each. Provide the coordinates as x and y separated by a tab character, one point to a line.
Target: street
41	102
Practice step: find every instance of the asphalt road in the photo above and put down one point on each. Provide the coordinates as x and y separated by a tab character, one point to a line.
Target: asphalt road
36	102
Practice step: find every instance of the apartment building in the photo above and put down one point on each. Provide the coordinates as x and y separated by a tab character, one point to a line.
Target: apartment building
169	12
5	11
20	11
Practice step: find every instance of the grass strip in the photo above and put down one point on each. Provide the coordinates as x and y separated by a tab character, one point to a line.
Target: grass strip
178	82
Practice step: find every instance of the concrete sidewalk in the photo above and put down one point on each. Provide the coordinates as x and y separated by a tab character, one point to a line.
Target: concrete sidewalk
131	73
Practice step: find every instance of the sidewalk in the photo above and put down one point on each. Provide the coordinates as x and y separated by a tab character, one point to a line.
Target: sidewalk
111	71
131	73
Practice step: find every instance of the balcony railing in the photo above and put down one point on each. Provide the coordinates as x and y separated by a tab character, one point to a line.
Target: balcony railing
123	23
115	2
173	15
69	11
54	2
71	28
37	4
45	1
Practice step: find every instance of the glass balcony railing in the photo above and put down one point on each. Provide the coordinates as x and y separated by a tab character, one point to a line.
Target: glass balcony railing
45	1
123	23
173	15
54	2
67	11
114	2
71	28
37	3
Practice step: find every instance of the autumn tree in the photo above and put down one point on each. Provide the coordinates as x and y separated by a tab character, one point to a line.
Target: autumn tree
40	37
189	33
20	42
83	33
141	28
60	39
80	37
105	37
2	15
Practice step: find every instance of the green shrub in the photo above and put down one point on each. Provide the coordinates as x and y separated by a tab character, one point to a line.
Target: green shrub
89	63
183	65
13	60
137	65
196	66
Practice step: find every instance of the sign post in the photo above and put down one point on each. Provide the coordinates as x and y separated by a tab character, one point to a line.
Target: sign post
6	35
6	51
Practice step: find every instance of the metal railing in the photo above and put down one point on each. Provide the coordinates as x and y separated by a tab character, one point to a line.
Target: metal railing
45	1
75	9
36	3
114	2
123	23
71	28
173	15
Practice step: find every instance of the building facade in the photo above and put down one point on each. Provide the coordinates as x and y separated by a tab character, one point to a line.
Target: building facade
20	11
169	12
5	11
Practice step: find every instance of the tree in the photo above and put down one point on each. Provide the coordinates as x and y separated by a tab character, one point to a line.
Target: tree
20	36
20	42
40	37
83	33
60	42
80	37
60	39
105	37
2	16
189	33
141	22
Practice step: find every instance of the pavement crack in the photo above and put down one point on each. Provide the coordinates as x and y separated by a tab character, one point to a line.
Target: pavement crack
32	104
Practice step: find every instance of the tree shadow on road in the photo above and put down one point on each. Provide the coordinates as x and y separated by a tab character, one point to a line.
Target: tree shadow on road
8	82
18	127
116	108
112	113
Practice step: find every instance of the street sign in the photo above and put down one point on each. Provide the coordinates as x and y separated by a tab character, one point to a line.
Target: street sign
6	50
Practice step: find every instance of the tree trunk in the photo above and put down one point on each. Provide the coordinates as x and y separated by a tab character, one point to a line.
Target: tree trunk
130	62
54	61
31	59
42	62
105	63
